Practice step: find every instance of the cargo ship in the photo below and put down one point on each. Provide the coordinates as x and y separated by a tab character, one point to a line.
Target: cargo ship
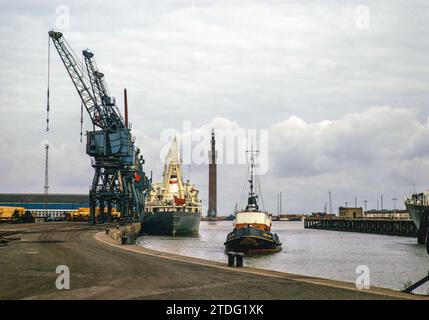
418	207
252	227
172	206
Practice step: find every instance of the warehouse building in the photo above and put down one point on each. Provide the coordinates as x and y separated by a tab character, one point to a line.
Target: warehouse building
39	201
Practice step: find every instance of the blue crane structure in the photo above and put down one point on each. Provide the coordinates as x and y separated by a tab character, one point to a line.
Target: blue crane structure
119	180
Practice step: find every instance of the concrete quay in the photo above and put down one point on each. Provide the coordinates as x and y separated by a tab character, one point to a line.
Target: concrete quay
102	268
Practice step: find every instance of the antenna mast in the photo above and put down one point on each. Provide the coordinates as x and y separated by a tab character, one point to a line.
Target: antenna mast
394	204
278	204
365	204
46	187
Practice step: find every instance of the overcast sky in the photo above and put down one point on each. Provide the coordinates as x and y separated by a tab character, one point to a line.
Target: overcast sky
343	90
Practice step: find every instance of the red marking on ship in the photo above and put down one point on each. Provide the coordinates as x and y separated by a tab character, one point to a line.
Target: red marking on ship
179	201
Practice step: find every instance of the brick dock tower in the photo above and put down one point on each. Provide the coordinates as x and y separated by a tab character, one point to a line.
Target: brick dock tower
212	210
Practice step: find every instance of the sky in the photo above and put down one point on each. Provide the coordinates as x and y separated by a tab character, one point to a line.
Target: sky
340	90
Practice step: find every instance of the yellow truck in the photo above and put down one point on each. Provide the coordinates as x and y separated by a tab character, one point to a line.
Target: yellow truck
14	215
82	214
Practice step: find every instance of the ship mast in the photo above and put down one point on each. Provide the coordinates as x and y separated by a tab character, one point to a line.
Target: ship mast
252	160
251	203
173	171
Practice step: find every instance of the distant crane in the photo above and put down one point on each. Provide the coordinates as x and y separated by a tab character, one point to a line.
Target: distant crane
394	204
331	209
119	179
279	204
46	187
365	202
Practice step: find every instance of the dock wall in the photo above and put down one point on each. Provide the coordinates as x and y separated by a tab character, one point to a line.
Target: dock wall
393	227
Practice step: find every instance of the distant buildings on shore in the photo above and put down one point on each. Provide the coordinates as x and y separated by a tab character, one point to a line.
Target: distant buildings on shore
359	213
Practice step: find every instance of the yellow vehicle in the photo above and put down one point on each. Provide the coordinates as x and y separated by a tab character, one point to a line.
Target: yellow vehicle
82	214
15	215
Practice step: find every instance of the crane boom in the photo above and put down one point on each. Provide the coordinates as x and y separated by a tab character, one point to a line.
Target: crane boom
80	80
112	115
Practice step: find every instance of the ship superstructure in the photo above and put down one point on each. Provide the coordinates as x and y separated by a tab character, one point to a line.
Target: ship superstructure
172	206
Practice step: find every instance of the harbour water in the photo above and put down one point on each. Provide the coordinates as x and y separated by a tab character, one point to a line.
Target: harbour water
392	261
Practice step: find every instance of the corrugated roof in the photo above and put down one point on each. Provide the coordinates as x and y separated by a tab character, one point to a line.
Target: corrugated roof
41	197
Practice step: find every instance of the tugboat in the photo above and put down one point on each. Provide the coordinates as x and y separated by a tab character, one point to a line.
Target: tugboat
252	227
172	206
418	207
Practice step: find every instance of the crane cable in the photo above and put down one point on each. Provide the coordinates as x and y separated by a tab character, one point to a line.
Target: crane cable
81	109
47	92
81	120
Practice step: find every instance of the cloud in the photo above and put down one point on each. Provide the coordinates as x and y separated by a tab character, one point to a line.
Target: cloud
381	150
376	135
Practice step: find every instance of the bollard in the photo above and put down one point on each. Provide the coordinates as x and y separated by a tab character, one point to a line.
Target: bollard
239	259
130	239
107	231
230	258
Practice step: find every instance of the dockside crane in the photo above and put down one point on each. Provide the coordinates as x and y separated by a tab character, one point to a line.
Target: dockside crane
119	179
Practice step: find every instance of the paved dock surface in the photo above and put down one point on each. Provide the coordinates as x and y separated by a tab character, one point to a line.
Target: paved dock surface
102	269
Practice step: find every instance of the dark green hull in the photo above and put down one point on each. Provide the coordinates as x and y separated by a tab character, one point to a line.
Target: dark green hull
250	240
171	223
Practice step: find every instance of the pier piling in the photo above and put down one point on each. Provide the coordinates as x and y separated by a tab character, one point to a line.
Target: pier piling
393	227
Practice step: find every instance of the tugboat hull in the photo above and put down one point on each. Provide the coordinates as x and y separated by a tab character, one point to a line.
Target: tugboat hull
171	223
250	240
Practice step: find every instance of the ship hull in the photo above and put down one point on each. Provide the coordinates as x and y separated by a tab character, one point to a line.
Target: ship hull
171	223
420	216
250	240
